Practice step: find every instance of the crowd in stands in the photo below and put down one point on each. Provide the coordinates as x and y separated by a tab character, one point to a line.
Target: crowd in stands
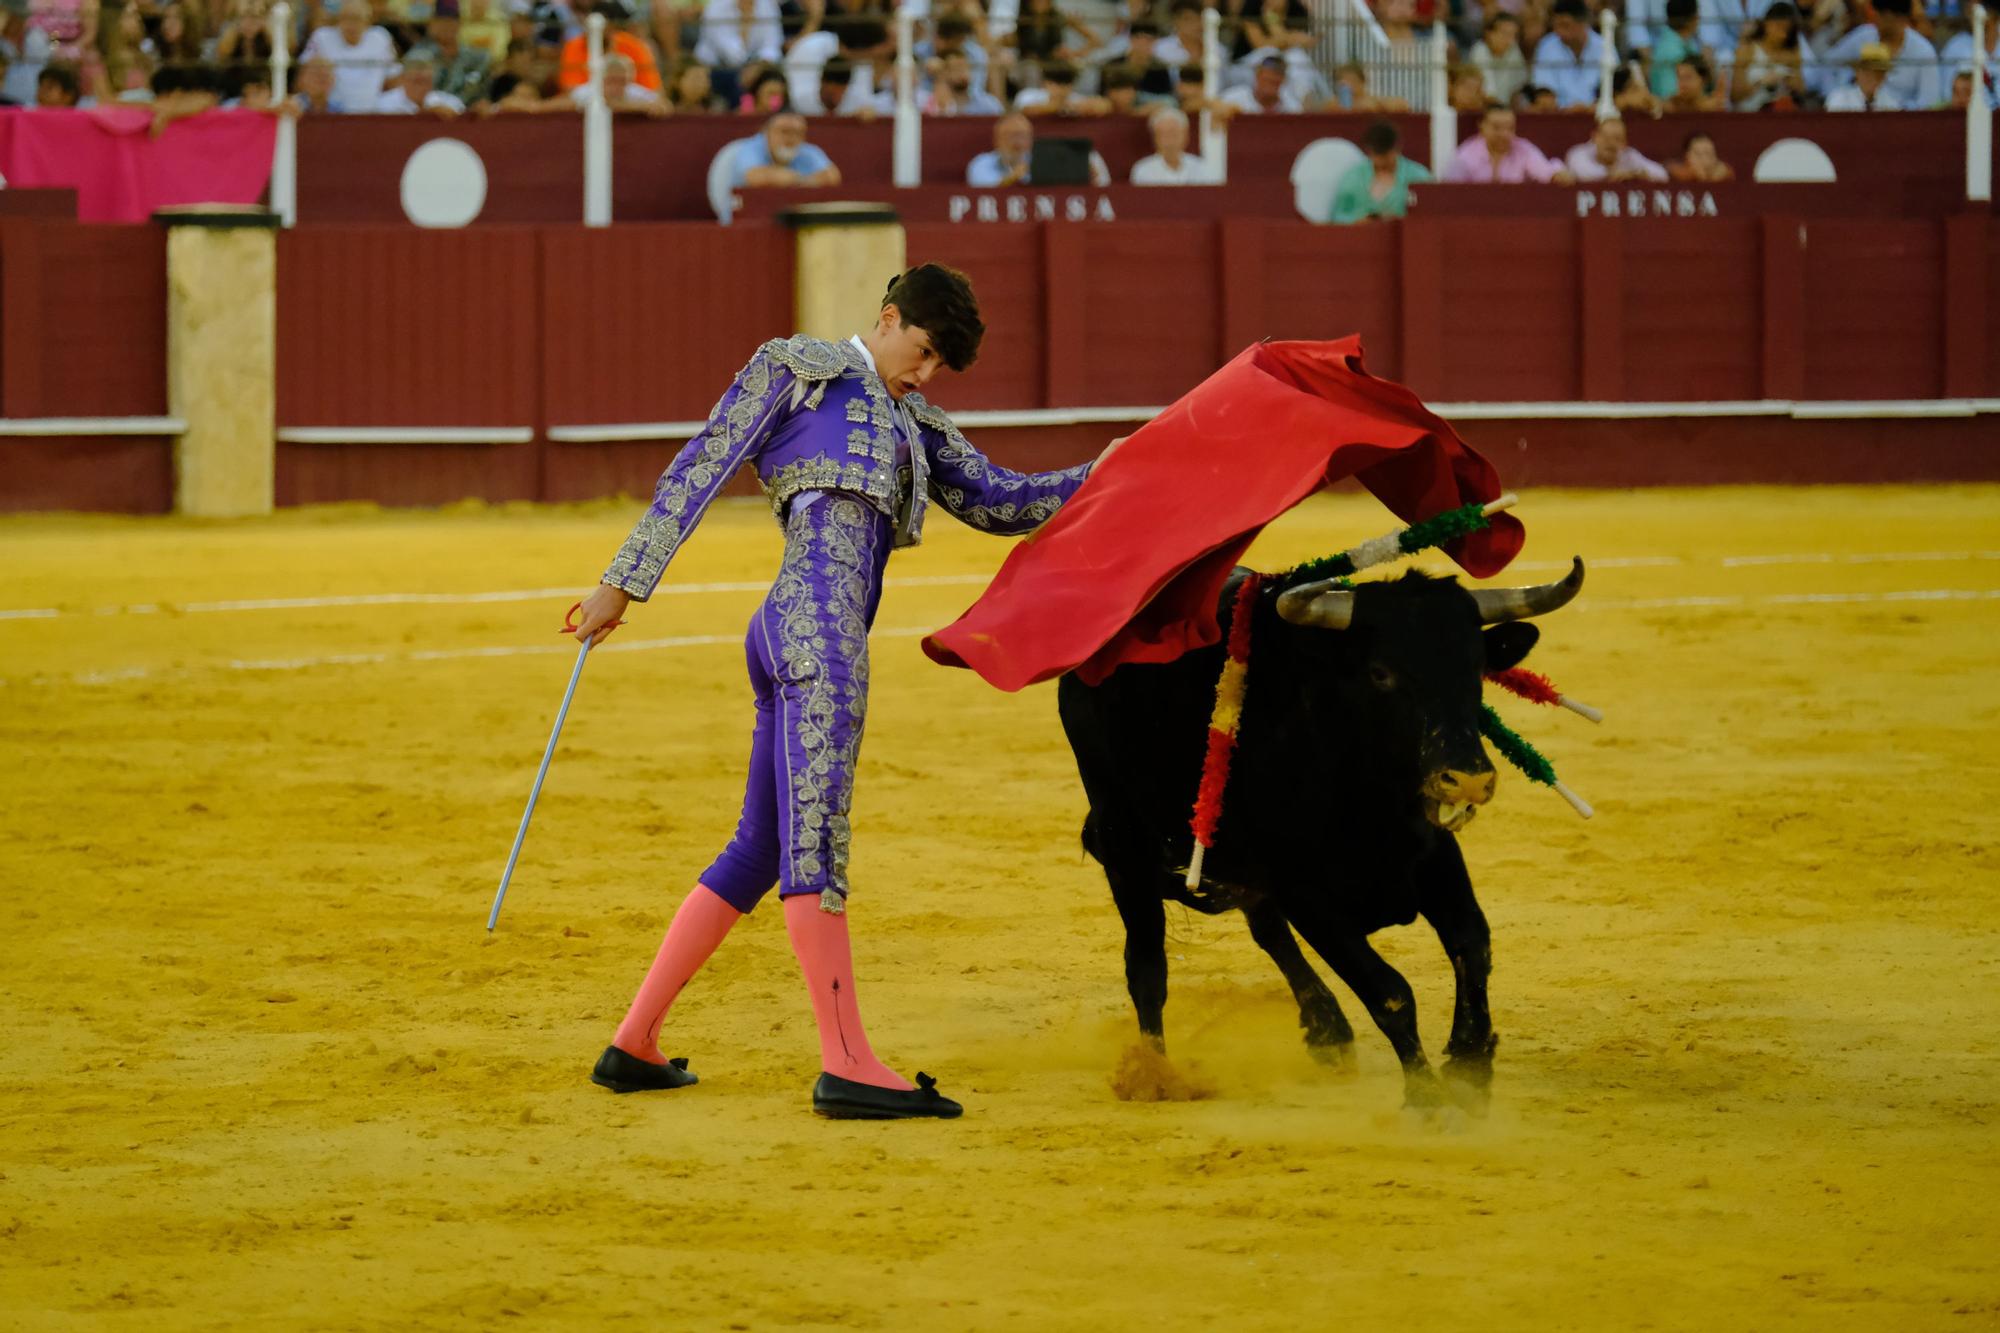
782	61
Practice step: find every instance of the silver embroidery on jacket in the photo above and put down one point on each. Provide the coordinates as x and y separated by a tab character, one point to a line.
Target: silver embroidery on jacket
685	489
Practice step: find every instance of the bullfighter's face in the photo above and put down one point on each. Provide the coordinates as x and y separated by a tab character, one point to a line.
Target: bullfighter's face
904	357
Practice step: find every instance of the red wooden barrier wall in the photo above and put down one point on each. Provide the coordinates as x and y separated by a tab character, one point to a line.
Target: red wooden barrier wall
83	319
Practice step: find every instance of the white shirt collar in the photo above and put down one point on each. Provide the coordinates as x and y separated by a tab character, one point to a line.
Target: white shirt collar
866	355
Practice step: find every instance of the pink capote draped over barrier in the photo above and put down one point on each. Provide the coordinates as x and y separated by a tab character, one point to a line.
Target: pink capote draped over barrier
1130	569
122	172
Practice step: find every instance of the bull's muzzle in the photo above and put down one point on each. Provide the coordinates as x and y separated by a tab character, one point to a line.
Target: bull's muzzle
1452	796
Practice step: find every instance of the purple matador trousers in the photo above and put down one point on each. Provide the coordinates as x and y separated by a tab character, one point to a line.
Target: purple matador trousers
808	656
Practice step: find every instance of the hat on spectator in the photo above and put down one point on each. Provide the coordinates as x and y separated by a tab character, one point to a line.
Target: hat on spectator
1875	56
419	58
1272	62
445	9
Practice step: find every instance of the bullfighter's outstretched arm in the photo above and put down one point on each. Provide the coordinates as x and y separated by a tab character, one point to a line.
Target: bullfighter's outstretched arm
738	427
978	492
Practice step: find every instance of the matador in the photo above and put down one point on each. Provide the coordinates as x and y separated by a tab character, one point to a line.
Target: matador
851	456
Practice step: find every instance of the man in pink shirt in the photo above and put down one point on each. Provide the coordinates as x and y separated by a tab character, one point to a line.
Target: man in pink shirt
1497	156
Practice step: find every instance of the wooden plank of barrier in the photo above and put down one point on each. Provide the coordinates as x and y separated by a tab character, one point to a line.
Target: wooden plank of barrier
1785	240
1602	253
22	329
1965	308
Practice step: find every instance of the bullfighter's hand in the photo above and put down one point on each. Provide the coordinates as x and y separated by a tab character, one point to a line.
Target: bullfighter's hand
604	605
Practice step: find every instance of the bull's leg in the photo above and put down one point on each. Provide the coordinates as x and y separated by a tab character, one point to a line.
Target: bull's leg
1328	1035
1388	997
1145	915
1445	898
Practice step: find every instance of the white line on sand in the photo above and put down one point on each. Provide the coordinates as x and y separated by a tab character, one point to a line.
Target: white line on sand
117	674
917	581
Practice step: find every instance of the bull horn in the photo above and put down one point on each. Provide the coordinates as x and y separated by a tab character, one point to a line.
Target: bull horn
1498	605
1321	605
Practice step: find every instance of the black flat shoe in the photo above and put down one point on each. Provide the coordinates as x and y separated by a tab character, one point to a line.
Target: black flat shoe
621	1072
838	1098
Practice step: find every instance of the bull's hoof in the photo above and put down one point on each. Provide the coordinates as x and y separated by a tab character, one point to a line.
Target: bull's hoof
1144	1074
1469	1084
1336	1057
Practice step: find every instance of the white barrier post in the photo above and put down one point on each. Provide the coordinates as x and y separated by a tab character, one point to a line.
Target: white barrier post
1214	130
1444	120
285	151
596	134
1607	64
1978	118
907	151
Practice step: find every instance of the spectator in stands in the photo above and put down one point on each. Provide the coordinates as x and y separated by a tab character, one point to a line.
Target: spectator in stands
839	87
1566	60
1769	69
862	43
315	88
70	26
622	90
1497	56
57	87
1401	72
1352	93
1171	163
736	32
955	93
509	94
462	71
1958	54
252	91
618	37
1912	80
780	156
1629	94
692	93
1280	26
362	55
766	92
1057	95
1698	162
1497	155
178	41
1538	99
1692	88
1269	91
956	34
1191	90
1119	87
1043	34
418	91
1007	164
245	39
1608	156
1183	46
1379	187
125	63
1465	89
1142	57
484	26
24	49
1680	40
1870	90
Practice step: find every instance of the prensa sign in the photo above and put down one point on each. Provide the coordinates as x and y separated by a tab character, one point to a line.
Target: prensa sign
1089	206
1646	203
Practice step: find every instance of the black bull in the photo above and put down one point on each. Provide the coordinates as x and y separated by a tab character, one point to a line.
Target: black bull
1358	757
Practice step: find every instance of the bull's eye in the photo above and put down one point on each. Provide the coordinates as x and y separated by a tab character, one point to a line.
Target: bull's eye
1381	677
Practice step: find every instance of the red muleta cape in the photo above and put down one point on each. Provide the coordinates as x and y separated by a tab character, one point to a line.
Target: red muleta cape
1131	568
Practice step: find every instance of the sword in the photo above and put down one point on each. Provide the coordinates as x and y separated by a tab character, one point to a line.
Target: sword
521	834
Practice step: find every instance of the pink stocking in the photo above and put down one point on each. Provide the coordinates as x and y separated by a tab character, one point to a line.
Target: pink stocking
699	925
820	941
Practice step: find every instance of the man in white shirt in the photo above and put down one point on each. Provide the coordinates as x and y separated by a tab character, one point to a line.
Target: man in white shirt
1270	91
362	55
856	39
957	93
418	92
1867	92
1567	58
1912	79
1171	162
620	92
736	32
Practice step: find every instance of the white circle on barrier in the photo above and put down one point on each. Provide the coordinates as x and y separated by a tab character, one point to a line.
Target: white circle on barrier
1316	174
444	184
1793	160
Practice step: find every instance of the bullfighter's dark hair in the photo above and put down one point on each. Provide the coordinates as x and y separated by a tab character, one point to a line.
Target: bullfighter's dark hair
939	301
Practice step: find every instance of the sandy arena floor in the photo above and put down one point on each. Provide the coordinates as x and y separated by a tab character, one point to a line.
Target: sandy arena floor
264	1068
